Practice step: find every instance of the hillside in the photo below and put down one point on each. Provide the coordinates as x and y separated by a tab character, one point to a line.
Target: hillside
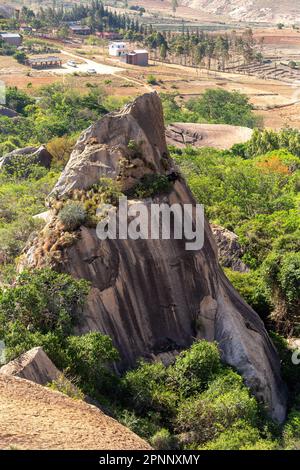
253	10
34	417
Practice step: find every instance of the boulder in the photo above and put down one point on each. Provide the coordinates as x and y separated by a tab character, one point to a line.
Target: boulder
153	296
34	365
38	156
229	249
10	113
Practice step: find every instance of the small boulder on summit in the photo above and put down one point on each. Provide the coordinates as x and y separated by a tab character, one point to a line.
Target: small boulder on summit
7	112
34	365
35	155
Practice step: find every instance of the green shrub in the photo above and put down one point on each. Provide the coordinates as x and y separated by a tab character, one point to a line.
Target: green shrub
195	368
224	107
225	402
282	274
72	215
151	185
145	389
44	301
68	386
151	80
252	288
240	436
145	427
163	440
291	431
89	356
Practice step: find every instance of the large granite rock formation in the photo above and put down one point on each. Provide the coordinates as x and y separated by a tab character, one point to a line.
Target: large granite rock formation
154	296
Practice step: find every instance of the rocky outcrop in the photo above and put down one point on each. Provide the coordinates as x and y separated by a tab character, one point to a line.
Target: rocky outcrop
7	112
229	249
39	156
33	365
154	296
219	136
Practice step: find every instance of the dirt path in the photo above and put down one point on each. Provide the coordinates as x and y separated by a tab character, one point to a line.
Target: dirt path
34	417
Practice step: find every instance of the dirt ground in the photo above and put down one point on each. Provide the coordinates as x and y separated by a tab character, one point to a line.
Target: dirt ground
35	417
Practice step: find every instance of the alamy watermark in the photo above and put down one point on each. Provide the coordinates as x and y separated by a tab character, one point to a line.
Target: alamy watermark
133	220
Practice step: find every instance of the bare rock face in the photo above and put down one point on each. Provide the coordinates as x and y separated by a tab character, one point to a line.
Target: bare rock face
34	365
154	296
230	251
39	156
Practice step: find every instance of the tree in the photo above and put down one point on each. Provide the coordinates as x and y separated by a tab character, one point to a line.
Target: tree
163	50
174	6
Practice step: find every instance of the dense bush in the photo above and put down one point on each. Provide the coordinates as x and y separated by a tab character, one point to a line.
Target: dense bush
195	368
43	301
282	275
241	436
224	107
152	185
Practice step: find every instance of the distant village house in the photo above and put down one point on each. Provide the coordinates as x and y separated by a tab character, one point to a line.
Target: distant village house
117	49
12	39
138	57
80	30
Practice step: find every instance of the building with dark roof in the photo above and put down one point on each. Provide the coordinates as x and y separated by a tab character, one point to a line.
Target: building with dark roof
44	62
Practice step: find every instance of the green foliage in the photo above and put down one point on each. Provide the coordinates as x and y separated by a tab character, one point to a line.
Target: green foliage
20	200
145	427
164	440
290	372
267	140
145	389
282	274
43	301
252	288
152	80
88	357
291	431
225	402
241	436
68	386
18	100
195	368
152	185
224	107
20	56
72	215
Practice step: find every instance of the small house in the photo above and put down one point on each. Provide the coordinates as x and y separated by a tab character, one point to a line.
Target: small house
12	39
138	57
118	49
80	30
